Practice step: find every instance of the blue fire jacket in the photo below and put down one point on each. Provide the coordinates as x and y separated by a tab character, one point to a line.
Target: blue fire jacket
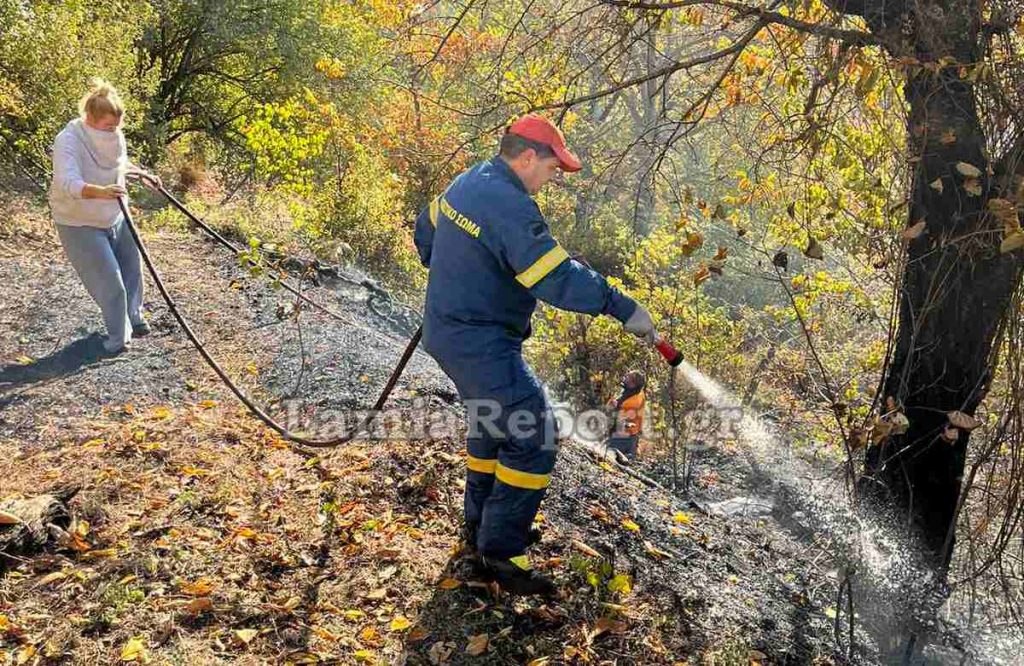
491	256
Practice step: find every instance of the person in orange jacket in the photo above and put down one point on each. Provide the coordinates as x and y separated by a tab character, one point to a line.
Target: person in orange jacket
629	414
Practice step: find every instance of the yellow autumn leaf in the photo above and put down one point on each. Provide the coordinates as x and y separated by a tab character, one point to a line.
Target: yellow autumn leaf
160	413
201	588
353	614
134	650
25	360
246	635
630	525
208	404
621	584
682	518
449	584
52	577
400	623
364	656
25	654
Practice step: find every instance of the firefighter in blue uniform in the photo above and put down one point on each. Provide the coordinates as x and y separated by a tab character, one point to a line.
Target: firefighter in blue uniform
491	256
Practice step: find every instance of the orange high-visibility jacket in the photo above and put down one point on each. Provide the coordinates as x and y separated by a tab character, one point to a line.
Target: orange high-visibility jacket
630	418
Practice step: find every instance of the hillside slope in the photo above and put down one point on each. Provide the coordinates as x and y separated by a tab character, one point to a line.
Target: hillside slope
201	538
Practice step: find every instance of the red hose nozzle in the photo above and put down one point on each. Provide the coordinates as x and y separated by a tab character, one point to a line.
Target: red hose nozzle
671	354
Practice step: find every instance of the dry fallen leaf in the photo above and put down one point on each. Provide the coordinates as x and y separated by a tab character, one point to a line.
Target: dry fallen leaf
968	170
441	652
630	525
477	645
246	635
585	549
912	232
134	650
449	584
701	275
9	519
1013	241
900	423
52	577
880	431
655	552
948	137
199	606
25	654
376	594
937	185
400	623
370	636
607	625
721	254
201	588
963	421
950	434
972	186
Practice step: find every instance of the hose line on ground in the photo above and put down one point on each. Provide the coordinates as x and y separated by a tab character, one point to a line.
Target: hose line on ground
201	348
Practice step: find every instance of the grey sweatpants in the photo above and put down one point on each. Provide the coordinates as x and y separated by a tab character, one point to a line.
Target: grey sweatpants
108	263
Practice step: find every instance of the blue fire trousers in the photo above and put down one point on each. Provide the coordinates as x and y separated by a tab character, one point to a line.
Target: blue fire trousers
511	446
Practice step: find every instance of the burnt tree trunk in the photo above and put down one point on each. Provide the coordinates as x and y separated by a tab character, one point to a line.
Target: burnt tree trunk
956	284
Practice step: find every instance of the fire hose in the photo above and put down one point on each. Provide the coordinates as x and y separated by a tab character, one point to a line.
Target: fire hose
256	410
673	357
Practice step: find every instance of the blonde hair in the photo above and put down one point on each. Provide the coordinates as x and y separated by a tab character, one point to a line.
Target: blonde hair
101	100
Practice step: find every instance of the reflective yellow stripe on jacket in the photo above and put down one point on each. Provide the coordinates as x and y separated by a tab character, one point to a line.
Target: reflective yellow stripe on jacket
540	268
434	206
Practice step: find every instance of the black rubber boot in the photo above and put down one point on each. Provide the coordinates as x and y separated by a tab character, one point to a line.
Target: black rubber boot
516	577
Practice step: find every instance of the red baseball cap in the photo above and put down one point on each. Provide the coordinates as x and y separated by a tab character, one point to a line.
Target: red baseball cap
538	128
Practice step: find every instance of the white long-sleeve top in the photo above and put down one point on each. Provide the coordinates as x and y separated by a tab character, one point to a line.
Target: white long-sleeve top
82	155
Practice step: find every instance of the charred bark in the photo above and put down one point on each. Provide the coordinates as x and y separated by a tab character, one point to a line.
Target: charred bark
956	284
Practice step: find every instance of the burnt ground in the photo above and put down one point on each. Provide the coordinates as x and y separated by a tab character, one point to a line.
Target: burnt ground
202	538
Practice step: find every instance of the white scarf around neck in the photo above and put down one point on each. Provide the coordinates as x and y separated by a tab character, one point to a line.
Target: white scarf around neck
105	148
